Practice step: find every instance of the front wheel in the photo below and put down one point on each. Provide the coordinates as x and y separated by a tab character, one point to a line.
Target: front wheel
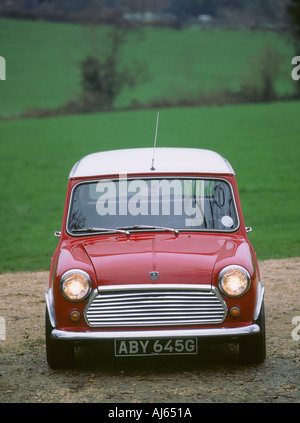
60	354
252	349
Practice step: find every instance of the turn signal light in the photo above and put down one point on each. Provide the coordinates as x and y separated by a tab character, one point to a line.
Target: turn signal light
235	311
75	316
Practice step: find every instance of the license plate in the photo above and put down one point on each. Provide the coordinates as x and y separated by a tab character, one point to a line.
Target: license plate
138	347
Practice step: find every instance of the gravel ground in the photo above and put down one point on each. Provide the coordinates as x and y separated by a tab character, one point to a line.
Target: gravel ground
214	376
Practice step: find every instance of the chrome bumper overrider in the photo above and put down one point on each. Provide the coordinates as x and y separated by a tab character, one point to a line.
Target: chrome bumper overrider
175	333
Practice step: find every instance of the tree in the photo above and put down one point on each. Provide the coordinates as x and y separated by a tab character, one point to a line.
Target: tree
293	10
259	84
106	73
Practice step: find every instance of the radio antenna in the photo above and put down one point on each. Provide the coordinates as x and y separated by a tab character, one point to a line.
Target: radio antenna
152	167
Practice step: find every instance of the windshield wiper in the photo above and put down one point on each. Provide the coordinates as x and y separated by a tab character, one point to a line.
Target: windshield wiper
149	227
93	229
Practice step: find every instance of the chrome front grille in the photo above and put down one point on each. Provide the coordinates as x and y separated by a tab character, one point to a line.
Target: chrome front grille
155	305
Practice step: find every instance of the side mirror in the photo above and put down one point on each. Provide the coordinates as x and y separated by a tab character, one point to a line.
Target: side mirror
248	229
57	233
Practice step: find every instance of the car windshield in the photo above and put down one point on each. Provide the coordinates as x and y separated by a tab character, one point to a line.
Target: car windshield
152	204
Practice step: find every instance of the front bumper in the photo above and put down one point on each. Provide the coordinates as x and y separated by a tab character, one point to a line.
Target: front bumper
139	334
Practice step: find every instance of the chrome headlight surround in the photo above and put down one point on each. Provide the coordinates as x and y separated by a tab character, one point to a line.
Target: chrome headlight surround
234	281
75	285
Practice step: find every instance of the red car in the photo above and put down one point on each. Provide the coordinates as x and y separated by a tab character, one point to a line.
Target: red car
153	255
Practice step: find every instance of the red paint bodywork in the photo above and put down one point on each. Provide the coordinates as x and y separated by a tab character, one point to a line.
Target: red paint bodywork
192	258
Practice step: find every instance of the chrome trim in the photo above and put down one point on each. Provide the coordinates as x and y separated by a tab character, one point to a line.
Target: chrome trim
120	306
259	300
50	307
234	266
69	272
146	286
199	333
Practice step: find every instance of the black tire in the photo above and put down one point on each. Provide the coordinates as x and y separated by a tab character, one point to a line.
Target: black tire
252	348
60	354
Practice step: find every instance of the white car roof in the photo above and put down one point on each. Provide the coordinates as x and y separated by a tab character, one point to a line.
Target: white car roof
139	161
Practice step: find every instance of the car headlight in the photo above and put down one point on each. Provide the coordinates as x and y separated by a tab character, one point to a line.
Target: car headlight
75	285
234	281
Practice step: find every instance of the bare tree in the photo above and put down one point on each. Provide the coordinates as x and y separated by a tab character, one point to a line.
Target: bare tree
106	72
263	71
293	10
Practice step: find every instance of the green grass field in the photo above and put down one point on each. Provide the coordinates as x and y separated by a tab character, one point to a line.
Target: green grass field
43	72
36	155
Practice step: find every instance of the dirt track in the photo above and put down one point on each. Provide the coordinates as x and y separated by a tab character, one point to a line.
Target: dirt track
214	376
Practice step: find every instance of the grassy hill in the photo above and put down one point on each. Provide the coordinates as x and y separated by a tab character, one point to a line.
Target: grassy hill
43	62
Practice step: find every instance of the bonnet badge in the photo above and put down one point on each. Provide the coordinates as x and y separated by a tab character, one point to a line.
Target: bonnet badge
154	275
